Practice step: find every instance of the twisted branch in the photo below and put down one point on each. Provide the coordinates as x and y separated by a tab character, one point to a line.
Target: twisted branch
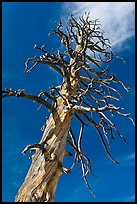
20	93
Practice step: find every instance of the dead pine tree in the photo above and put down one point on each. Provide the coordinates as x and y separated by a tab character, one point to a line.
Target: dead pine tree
87	87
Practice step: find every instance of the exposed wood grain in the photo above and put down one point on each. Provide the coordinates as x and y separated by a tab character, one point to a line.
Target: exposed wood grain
43	175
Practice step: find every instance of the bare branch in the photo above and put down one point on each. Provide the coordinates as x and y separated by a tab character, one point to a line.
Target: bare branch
82	164
21	93
120	135
99	109
37	61
32	147
100	135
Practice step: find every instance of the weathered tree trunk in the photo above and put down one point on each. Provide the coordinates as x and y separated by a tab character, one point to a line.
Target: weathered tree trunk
41	180
85	89
46	168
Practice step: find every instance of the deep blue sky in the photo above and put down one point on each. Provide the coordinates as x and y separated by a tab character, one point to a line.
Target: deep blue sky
26	24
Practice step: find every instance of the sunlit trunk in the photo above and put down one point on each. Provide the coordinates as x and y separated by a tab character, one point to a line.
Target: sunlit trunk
46	168
42	178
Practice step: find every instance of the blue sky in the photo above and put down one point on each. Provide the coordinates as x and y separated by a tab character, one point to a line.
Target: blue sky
26	24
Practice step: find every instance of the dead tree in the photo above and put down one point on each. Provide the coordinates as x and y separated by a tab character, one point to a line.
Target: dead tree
87	88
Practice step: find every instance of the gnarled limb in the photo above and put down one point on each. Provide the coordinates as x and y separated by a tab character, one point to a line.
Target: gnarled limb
20	93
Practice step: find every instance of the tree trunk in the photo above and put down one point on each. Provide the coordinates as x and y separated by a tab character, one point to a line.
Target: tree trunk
82	84
46	168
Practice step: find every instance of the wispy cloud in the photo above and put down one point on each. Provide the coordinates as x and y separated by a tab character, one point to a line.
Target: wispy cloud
128	160
117	18
130	198
80	188
128	157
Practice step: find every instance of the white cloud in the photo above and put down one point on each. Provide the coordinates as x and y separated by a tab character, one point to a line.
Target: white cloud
128	158
117	18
